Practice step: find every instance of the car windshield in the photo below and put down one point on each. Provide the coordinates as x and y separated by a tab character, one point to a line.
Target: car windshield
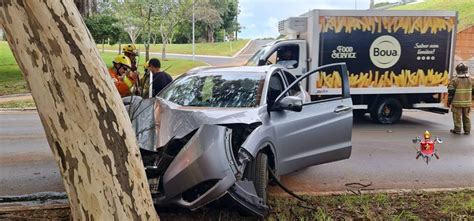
253	61
230	89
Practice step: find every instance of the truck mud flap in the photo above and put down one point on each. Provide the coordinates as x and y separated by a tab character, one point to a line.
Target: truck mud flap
244	194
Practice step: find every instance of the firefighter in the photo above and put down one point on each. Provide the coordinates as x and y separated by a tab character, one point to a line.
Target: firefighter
120	73
460	98
131	52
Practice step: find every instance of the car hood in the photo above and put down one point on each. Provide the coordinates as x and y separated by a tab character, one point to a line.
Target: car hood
176	121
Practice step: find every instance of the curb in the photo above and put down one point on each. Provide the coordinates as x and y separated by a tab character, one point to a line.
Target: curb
242	49
184	55
15	95
18	109
336	193
17	207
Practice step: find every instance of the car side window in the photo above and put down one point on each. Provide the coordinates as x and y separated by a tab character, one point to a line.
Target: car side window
275	88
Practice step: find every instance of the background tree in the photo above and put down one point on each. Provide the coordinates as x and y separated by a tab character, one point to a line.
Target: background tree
98	158
175	12
128	19
208	13
104	28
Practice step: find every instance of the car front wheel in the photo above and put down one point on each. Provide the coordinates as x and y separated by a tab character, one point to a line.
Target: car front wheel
257	171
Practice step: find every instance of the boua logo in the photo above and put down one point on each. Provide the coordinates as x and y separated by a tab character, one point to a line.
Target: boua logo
385	51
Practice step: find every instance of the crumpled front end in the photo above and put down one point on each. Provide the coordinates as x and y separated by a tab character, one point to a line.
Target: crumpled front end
197	156
201	172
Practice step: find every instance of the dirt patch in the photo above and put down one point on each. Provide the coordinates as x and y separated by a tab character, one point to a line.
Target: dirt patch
39	214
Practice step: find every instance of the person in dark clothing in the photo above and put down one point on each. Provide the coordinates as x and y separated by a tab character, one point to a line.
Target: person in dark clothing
160	78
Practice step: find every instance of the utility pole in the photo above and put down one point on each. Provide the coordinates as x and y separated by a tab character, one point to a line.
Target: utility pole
355	1
193	30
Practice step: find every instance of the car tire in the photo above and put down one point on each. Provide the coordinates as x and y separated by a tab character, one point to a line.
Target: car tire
386	111
257	171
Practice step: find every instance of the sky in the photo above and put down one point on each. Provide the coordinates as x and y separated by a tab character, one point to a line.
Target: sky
260	17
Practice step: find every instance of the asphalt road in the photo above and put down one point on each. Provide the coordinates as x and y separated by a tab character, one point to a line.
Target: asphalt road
382	155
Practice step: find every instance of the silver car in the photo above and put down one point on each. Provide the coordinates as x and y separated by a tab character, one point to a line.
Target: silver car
216	132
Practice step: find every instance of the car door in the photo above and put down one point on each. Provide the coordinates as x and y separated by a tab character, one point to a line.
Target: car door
320	133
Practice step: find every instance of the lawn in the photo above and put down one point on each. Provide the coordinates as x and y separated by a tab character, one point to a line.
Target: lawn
465	8
218	48
12	82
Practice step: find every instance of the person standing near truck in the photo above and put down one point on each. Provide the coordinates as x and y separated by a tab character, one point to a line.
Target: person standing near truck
460	98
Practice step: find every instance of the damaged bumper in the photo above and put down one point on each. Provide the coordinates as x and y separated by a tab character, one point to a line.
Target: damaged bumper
202	171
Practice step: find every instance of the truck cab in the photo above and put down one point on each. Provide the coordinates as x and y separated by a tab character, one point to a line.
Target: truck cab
290	54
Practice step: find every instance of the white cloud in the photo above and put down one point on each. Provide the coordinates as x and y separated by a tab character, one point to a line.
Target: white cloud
251	26
245	12
272	22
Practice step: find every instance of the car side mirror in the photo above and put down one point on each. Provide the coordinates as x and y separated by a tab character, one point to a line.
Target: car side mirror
291	103
261	62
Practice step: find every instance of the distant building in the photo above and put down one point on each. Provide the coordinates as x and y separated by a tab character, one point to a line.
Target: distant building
464	51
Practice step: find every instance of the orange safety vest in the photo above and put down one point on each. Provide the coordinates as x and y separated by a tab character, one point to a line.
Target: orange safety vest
122	88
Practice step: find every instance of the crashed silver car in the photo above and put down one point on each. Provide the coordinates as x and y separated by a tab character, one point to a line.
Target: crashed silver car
218	131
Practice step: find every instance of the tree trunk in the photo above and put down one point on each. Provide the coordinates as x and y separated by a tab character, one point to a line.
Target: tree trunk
120	47
164	40
86	7
148	37
98	157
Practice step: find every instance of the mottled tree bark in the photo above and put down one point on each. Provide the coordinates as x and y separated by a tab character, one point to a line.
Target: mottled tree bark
86	124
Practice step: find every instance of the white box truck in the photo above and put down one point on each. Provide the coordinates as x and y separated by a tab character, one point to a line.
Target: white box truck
396	59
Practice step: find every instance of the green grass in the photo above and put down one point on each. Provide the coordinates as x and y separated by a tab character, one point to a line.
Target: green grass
218	48
18	104
12	81
465	8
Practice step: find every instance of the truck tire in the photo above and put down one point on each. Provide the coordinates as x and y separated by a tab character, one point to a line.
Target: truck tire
257	171
386	111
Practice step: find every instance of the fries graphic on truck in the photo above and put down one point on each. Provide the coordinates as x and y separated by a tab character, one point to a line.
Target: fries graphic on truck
387	79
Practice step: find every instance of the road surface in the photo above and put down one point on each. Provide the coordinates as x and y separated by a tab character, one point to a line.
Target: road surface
382	155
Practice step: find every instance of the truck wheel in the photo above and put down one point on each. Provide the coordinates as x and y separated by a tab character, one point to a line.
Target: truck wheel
257	171
386	111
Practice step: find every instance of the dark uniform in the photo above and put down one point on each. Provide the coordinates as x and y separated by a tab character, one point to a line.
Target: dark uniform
460	98
160	81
